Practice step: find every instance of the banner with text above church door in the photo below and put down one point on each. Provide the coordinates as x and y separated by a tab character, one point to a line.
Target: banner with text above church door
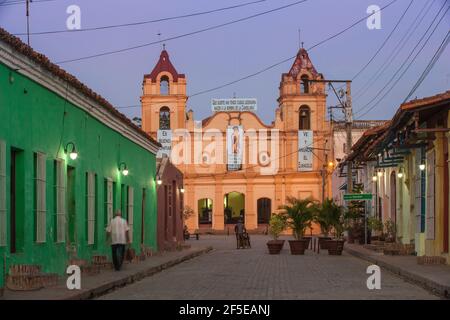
305	151
235	142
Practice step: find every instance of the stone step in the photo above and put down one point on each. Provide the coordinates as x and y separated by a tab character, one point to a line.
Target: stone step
431	260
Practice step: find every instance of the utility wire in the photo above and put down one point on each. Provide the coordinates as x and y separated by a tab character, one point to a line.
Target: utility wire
182	35
292	57
430	65
384	42
405	61
280	62
407	67
11	3
143	22
394	53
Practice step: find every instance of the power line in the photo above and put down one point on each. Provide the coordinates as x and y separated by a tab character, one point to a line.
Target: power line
292	57
430	65
404	62
11	3
384	42
409	65
280	62
144	22
183	35
394	53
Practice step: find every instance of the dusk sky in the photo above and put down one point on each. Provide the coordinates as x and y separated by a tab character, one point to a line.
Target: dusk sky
215	57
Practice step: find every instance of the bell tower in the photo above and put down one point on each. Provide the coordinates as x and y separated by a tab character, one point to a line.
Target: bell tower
302	112
164	98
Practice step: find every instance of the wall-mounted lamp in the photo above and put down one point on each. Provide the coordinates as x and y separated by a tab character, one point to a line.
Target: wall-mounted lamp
125	169
380	174
374	178
422	166
400	173
73	154
158	180
182	190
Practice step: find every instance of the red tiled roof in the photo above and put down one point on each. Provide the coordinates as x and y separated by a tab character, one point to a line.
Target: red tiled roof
60	73
302	62
162	65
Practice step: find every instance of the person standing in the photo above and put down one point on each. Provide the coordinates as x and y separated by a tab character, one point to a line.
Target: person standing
239	229
118	231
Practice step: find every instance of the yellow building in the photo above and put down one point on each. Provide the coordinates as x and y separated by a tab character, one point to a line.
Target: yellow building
234	165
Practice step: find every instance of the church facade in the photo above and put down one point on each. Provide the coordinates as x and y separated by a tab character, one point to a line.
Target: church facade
234	165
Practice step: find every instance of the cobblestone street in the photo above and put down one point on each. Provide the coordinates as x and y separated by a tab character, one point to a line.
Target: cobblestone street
227	273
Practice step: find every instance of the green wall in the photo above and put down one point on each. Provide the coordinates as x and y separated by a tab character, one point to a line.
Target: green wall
35	119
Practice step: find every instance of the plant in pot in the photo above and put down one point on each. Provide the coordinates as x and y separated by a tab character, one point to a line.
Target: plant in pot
324	218
375	225
300	213
277	225
390	228
336	245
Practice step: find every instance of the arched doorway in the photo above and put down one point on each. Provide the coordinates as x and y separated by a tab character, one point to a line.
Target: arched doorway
205	207
264	210
234	207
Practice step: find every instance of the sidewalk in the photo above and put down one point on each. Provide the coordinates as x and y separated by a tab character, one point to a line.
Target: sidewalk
96	285
435	278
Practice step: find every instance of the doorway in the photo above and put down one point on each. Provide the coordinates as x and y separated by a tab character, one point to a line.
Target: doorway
393	197
205	209
143	217
71	207
234	207
264	210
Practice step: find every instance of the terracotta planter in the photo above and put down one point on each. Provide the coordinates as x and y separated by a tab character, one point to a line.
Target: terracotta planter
298	246
335	247
323	242
309	241
275	246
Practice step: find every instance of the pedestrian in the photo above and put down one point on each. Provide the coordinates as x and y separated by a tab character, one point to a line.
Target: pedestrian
239	230
118	232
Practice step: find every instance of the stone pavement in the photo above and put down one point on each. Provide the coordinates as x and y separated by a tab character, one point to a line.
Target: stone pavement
107	280
228	273
435	278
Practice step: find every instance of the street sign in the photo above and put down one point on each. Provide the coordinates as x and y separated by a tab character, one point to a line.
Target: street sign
357	196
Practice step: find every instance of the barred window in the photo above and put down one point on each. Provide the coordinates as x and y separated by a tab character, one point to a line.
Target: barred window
108	200
60	194
2	193
40	203
91	207
130	208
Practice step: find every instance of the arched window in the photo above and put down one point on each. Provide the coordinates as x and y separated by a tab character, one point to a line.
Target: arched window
304	85
304	118
164	85
164	118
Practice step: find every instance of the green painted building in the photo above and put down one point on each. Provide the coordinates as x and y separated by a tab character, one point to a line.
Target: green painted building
54	208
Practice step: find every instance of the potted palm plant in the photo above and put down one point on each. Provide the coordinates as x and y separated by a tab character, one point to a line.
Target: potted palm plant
299	214
324	218
277	225
337	218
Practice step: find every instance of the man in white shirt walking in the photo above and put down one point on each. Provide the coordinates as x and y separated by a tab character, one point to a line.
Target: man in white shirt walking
118	230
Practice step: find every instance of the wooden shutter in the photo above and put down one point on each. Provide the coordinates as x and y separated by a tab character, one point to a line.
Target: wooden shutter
2	193
130	211
60	186
418	191
40	197
430	220
91	207
109	200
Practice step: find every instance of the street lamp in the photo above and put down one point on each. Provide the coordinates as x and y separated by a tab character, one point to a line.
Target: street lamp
73	152
125	169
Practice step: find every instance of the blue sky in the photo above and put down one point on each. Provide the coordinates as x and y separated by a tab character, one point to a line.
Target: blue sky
219	56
